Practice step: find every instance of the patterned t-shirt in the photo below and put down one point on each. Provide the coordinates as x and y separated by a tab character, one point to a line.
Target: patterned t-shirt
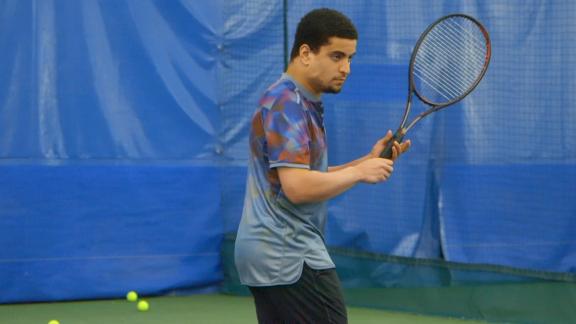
275	236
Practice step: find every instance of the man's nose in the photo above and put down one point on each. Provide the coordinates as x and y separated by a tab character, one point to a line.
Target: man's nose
345	67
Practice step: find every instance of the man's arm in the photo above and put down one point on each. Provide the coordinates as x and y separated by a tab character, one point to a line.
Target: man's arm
305	186
349	164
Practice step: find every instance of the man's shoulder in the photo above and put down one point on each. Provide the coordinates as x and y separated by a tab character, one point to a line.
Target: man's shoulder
279	93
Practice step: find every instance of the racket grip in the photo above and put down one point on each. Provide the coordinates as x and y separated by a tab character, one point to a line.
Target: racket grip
387	152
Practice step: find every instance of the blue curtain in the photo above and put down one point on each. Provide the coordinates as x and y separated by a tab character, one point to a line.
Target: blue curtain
124	124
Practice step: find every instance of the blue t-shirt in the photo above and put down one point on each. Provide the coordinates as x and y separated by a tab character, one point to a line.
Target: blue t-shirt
275	236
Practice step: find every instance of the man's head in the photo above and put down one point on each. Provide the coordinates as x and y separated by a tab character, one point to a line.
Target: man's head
323	47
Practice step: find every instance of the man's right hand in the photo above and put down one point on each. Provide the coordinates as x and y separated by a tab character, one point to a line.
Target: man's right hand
375	170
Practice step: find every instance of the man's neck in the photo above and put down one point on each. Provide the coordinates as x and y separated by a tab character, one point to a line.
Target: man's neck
297	74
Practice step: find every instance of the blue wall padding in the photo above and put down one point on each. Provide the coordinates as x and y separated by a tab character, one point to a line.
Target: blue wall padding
537	232
98	230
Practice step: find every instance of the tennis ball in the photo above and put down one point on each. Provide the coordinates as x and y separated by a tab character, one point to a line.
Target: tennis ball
143	306
53	322
132	296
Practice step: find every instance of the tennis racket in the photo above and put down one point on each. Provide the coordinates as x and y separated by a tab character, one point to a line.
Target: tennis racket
447	63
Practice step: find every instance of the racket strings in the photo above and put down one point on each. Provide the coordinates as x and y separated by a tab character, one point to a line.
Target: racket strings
473	34
450	59
475	55
444	79
472	38
453	35
442	67
453	78
472	58
448	63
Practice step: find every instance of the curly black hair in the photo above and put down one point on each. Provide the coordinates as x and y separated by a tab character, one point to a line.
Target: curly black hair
318	26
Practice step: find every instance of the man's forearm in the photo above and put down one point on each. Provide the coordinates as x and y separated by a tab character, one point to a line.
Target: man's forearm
306	186
349	164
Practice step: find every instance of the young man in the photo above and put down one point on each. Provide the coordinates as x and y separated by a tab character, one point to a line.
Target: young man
280	251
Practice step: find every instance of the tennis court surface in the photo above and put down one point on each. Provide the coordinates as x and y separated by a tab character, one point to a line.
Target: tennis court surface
216	308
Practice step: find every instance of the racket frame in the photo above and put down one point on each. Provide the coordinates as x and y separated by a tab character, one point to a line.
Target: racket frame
403	129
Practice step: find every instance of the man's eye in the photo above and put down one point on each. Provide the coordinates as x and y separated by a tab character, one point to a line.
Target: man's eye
336	57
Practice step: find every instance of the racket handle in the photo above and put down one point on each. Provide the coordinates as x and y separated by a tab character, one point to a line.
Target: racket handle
387	152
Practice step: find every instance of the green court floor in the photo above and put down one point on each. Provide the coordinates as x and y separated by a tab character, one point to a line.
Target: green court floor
218	309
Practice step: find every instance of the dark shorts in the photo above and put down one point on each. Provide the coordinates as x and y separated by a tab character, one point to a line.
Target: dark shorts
315	298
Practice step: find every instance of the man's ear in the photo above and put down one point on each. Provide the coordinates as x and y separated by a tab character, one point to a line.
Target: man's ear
305	54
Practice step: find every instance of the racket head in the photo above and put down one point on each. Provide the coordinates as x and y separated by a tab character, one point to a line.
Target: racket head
449	60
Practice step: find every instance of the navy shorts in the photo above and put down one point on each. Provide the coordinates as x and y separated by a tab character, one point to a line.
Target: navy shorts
315	298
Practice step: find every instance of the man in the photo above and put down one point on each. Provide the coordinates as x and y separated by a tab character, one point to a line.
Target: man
280	252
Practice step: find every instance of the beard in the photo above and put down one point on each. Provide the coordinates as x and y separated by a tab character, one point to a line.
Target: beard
332	90
327	87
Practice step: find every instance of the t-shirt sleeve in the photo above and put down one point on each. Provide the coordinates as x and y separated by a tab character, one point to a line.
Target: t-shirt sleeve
287	136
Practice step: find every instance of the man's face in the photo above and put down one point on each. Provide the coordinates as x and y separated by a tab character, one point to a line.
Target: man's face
330	67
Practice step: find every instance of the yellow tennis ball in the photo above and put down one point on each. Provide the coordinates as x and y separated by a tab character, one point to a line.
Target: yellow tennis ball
132	296
143	306
53	322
